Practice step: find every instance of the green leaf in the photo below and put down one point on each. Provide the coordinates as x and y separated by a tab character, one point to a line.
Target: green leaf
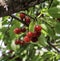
57	28
16	23
14	46
36	58
47	30
55	3
5	20
42	40
50	31
54	12
44	29
31	26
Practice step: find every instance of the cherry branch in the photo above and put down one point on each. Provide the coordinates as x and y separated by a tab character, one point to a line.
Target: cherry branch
30	16
50	44
18	19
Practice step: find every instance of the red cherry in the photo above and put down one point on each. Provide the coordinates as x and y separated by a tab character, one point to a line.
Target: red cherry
30	34
36	34
22	43
27	20
17	42
26	39
17	30
38	28
23	29
34	39
22	15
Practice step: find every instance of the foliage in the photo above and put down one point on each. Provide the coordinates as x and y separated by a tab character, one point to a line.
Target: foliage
47	15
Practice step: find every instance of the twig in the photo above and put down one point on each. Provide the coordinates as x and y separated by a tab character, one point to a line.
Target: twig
50	3
53	46
19	20
30	16
48	41
6	32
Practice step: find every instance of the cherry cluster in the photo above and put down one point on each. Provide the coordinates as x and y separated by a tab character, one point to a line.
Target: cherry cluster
33	36
25	18
29	36
19	30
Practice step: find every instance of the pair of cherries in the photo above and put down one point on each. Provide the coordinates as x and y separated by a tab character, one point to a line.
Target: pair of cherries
25	18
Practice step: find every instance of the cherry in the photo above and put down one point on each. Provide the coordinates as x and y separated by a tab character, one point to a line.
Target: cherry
17	30
36	34
34	39
17	42
26	39
22	15
23	29
21	43
38	28
30	34
27	20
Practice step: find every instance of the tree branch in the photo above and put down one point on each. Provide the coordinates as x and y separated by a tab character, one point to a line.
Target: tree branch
19	20
48	41
12	6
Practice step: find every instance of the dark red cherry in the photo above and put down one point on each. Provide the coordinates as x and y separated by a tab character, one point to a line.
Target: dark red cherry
17	42
27	20
34	39
17	30
22	15
36	34
38	28
23	29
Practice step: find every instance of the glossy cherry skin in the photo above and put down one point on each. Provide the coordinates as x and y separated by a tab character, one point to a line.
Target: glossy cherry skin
17	42
36	34
17	30
27	20
22	15
30	34
26	39
38	28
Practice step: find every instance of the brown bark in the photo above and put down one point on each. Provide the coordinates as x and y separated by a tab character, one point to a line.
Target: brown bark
12	6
